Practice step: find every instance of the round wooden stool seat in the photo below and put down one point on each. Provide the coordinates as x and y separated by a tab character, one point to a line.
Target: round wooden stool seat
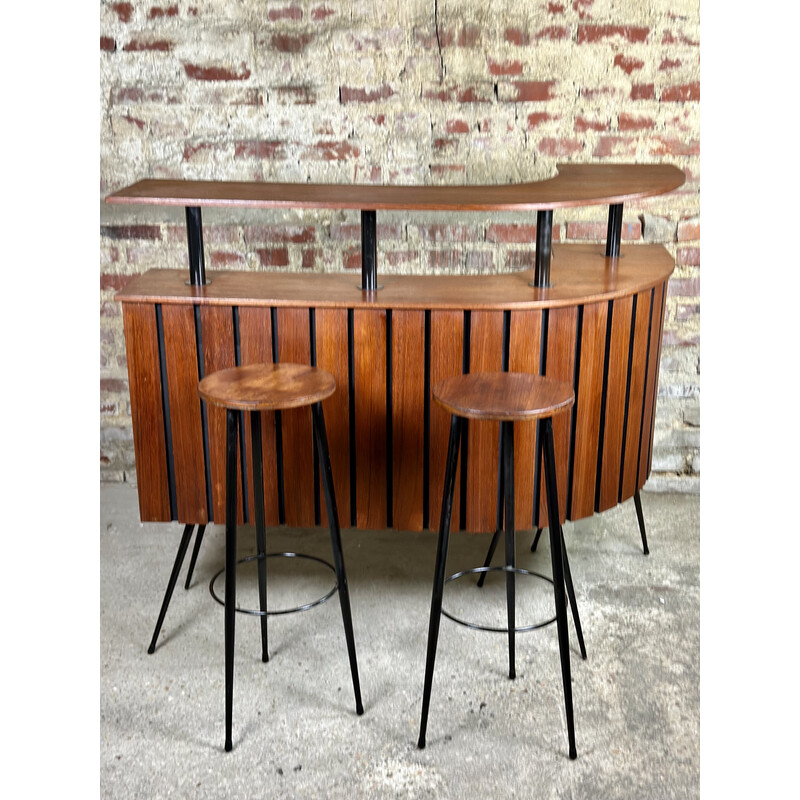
505	396
267	387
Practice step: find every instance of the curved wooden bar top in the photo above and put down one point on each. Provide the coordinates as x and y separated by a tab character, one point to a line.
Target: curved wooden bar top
573	185
594	322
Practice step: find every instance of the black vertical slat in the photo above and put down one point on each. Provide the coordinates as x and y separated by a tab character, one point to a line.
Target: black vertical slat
627	398
504	357
537	459
278	427
194	235
603	403
198	338
644	389
426	431
574	423
312	338
162	363
237	349
351	388
389	434
614	231
465	425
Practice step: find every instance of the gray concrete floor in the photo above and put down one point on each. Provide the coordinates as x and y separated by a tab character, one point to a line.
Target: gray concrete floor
295	731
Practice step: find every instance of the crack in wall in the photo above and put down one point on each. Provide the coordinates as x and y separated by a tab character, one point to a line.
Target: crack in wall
438	40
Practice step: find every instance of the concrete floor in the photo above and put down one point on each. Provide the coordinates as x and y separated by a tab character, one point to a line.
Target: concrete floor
295	731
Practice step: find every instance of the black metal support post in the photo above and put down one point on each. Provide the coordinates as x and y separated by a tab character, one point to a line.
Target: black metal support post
508	484
369	252
637	499
614	235
194	232
198	540
261	531
230	568
544	244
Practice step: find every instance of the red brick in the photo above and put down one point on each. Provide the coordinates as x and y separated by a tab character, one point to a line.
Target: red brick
332	151
688	92
504	67
258	149
199	73
614	146
597	231
143	45
296	95
156	13
309	259
533	91
683	287
351	258
517	37
139	123
113	282
397	258
663	146
534	120
446	233
107	44
283	234
448	169
292	12
113	385
221	259
520	259
108	409
689	230
290	43
627	63
504	233
349	94
643	91
444	259
467	36
629	122
124	11
583	124
191	150
321	13
479	93
582	7
152	232
598	33
554	32
669	63
556	8
670	37
687	257
442	144
551	146
273	257
457	126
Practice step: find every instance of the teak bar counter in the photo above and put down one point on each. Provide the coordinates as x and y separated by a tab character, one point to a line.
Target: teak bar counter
588	314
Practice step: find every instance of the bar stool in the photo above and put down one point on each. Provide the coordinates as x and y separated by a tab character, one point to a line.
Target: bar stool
271	387
507	397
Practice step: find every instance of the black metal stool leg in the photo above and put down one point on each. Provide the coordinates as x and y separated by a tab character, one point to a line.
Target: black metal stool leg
233	420
336	542
556	555
508	480
201	529
573	603
261	535
637	499
499	523
536	540
439	570
176	568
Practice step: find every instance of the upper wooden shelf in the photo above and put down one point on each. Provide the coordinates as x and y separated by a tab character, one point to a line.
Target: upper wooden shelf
573	185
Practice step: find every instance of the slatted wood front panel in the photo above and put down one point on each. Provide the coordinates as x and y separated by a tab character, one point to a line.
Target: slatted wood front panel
383	361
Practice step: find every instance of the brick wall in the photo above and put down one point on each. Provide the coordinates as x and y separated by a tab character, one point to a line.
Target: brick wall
398	91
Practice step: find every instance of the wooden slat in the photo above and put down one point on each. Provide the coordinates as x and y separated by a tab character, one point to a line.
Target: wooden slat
590	389
369	338
294	346
180	349
255	346
524	356
147	417
560	365
651	385
636	400
331	324
486	350
655	379
408	409
447	342
219	353
615	402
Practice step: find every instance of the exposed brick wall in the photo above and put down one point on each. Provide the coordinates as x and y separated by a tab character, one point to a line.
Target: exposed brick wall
433	92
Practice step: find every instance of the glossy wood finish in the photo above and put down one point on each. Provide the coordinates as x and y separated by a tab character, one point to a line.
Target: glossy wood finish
579	274
573	185
504	396
267	387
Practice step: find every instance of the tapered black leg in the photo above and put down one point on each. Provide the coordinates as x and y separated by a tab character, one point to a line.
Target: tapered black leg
336	543
261	534
439	570
176	568
198	540
230	569
557	559
499	523
508	475
536	540
637	499
573	603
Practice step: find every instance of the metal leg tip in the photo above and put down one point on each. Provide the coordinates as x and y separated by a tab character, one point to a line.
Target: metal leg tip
359	708
573	753
228	746
512	674
421	744
151	649
647	551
